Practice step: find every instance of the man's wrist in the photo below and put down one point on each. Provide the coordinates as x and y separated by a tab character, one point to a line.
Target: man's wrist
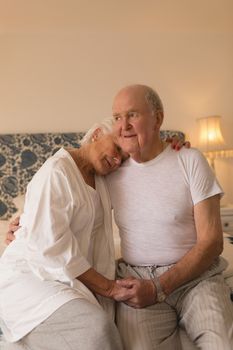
160	294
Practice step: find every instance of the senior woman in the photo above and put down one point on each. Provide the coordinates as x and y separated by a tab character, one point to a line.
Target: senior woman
63	254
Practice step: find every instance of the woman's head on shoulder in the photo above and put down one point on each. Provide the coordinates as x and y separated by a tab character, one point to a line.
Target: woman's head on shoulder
105	154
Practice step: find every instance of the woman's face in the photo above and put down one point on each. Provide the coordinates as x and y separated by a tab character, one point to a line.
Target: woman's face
106	155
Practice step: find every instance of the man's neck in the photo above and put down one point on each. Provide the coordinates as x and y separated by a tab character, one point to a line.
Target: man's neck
150	153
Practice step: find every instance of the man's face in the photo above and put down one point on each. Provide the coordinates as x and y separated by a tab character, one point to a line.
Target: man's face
135	124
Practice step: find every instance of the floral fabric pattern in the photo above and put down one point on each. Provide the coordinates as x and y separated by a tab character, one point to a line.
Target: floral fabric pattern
21	155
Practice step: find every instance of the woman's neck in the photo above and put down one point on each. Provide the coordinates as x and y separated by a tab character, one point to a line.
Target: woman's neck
81	159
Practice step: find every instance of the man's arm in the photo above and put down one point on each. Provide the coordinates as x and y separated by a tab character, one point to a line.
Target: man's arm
209	245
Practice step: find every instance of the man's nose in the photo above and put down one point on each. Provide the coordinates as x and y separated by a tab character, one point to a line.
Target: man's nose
125	124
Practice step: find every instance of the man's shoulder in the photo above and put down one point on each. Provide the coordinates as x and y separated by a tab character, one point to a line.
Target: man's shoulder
192	151
192	161
190	154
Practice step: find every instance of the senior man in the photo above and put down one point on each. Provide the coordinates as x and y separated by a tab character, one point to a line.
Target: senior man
166	205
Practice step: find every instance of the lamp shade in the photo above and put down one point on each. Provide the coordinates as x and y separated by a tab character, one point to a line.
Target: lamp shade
210	135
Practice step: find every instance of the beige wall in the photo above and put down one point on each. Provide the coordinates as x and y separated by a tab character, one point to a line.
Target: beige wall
61	62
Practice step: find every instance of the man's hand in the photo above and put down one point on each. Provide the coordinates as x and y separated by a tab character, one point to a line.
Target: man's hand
13	227
143	292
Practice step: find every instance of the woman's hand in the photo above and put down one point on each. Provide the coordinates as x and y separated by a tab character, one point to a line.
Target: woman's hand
177	144
13	227
119	292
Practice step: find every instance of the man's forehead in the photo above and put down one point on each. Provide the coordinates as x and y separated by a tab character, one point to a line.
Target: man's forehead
127	100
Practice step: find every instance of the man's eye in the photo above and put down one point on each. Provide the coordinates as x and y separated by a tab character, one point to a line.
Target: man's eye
132	114
116	118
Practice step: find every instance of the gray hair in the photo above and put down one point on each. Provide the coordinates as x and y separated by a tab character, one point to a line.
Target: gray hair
153	100
105	126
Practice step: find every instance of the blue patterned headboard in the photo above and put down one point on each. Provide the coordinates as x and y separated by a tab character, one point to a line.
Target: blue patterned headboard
21	155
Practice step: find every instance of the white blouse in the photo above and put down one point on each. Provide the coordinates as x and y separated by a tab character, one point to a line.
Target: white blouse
38	270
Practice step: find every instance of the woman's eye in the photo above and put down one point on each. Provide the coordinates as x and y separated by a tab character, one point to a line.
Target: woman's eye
117	148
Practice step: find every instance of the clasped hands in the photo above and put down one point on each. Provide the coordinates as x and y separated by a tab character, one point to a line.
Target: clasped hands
137	293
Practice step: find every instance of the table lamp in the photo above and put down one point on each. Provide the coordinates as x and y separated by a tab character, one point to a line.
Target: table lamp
211	141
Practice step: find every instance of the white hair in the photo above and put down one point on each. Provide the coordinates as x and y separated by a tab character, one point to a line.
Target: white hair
153	100
105	126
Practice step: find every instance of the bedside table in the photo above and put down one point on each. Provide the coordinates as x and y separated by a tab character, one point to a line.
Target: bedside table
227	218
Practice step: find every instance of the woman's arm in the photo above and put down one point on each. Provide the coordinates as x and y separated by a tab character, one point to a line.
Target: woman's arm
97	283
91	278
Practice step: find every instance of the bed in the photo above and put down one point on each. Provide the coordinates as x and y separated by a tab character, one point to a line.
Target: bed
21	155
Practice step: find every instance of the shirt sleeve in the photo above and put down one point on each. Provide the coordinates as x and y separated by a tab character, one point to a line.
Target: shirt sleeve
53	251
199	175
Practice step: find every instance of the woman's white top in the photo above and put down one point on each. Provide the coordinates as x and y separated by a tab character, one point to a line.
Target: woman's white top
61	236
98	221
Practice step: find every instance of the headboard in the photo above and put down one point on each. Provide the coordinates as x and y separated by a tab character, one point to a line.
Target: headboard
21	155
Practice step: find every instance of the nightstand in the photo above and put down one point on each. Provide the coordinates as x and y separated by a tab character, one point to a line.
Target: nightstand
227	218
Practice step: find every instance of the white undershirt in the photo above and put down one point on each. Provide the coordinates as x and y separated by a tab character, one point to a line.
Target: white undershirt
153	205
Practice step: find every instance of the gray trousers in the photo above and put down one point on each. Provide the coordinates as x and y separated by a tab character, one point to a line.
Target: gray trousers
202	308
77	325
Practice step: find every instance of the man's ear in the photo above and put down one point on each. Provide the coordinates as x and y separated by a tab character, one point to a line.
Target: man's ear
159	119
96	134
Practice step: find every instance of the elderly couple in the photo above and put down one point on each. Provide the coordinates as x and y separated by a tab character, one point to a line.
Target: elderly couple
57	277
